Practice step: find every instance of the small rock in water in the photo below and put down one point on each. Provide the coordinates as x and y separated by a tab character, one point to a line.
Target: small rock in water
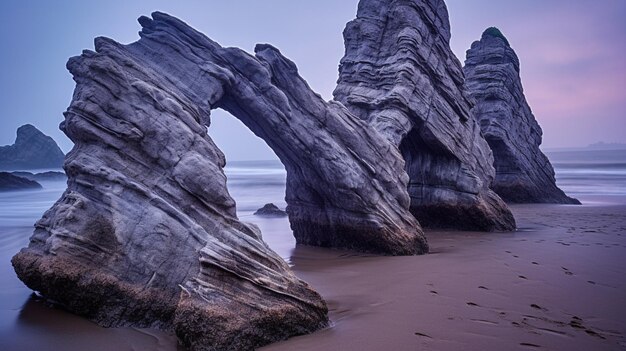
270	210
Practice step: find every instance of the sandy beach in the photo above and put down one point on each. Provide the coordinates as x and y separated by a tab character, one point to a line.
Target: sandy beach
558	283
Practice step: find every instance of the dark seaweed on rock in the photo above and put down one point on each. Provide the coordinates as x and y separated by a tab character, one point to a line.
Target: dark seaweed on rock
495	32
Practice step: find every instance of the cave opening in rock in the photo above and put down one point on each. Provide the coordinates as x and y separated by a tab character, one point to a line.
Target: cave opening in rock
507	182
255	177
433	176
503	158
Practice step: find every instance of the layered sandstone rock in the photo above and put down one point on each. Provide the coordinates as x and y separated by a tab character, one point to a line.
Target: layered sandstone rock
146	233
345	184
523	172
400	76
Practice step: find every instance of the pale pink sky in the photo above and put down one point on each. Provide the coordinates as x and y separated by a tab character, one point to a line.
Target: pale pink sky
573	61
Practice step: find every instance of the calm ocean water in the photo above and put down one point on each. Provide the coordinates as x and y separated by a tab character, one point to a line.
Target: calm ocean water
587	175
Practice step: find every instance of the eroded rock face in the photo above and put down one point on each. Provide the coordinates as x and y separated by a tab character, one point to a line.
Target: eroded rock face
523	173
345	184
146	233
399	76
32	149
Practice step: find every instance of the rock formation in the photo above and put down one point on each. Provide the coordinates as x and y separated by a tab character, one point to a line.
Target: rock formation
11	182
399	76
345	183
146	233
32	149
523	172
270	210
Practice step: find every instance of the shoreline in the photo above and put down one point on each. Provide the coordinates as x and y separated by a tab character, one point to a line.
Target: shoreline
557	283
536	288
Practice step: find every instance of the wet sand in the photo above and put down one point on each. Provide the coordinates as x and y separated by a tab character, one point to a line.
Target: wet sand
559	283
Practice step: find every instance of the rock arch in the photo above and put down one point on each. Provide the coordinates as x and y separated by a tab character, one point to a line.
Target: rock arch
345	184
146	233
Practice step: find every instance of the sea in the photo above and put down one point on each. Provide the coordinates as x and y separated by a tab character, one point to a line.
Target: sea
593	176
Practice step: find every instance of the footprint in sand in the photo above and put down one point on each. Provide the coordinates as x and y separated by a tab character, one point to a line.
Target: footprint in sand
434	292
535	306
483	287
473	304
527	344
533	262
576	323
522	277
567	271
424	335
593	333
484	321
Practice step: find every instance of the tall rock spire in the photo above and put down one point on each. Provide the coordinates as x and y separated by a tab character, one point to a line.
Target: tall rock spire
523	173
400	75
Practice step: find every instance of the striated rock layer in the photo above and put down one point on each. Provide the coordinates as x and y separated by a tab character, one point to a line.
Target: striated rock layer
523	173
32	149
400	76
146	233
345	183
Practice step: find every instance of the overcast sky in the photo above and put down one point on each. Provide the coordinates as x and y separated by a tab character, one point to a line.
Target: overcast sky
572	55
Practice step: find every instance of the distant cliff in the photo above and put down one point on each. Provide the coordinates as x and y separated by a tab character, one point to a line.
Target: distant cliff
10	182
32	150
523	173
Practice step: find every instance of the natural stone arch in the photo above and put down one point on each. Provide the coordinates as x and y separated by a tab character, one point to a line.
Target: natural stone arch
345	183
400	76
146	233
